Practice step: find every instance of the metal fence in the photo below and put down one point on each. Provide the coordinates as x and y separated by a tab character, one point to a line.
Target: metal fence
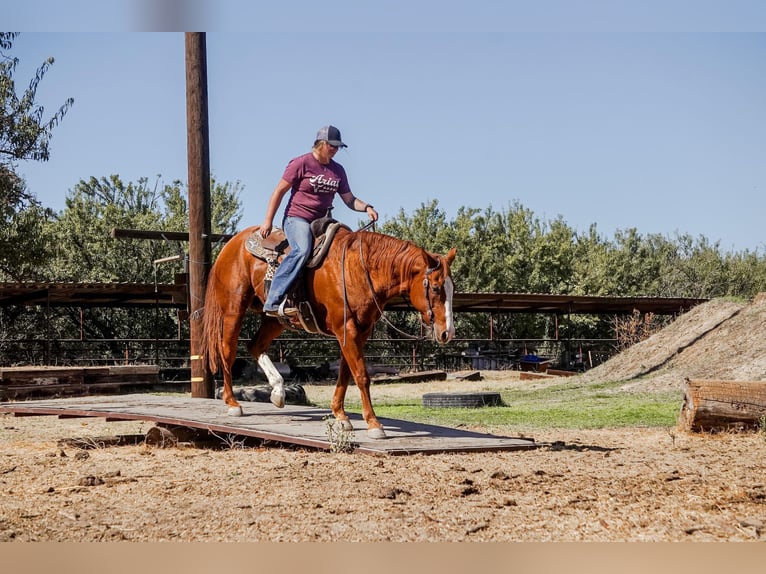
398	354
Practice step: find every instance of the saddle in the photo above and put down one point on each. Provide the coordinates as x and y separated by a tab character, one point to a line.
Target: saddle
274	248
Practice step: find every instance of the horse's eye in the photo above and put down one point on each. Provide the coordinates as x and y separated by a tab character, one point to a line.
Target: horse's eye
436	289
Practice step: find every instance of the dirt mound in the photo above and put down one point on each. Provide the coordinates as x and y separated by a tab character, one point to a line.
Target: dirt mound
719	339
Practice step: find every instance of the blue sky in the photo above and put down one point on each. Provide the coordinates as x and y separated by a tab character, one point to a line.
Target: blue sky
656	124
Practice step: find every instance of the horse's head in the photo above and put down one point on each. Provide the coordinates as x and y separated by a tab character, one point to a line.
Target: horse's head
432	295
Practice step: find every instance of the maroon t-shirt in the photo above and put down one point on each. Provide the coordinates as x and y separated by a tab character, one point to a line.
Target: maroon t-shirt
313	186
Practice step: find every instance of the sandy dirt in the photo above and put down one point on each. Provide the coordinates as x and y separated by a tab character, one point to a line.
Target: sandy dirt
636	484
628	485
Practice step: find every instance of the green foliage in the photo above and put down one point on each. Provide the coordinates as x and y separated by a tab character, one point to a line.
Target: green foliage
22	224
512	250
24	135
225	208
86	252
85	249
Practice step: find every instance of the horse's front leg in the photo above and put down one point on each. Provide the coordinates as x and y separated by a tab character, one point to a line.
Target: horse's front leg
339	396
353	354
269	329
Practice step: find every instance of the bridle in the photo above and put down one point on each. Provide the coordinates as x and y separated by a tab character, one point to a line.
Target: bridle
426	286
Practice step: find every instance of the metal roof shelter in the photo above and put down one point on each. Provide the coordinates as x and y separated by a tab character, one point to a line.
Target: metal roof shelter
175	296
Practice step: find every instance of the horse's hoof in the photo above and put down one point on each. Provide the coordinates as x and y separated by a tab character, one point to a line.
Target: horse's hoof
346	425
376	433
234	411
278	398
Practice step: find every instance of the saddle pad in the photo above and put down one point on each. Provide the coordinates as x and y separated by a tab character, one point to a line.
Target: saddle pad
322	243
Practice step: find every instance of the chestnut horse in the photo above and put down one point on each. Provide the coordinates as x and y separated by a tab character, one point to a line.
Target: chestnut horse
361	272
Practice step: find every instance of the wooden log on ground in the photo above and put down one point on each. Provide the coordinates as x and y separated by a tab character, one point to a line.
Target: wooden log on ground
473	376
560	373
422	376
529	376
169	436
721	405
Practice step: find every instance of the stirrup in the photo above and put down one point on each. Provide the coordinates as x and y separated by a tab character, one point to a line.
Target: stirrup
286	311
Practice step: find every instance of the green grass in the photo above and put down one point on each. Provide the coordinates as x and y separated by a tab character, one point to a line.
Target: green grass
561	406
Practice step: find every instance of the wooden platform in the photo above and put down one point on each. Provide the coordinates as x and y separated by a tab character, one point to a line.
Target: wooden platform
299	425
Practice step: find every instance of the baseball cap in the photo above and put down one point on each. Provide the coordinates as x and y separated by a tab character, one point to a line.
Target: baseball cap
331	135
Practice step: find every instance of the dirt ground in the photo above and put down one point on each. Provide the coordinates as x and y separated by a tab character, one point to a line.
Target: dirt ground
603	485
636	484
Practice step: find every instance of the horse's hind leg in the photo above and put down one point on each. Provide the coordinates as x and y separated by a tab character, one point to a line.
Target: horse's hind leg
231	328
269	329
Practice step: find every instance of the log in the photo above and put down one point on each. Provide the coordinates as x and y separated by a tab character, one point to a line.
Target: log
529	376
560	373
722	405
538	366
421	377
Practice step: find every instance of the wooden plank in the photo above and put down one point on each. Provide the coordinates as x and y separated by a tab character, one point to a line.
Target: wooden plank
294	424
124	374
21	392
41	375
472	376
560	373
529	375
419	377
132	370
534	366
20	382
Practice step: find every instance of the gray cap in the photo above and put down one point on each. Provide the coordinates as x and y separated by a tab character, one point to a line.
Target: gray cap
331	135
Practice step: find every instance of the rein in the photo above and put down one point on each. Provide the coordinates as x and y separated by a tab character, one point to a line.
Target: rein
426	285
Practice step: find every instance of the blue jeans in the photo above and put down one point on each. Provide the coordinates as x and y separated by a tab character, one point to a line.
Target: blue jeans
301	240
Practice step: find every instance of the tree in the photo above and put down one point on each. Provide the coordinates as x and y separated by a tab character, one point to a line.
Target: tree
24	135
225	206
86	252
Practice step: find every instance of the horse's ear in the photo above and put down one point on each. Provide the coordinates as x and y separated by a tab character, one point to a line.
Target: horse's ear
451	255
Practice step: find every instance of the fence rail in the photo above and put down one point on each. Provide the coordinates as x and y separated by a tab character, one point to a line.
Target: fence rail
402	354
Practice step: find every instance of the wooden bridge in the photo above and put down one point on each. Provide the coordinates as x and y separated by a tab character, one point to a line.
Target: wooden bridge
294	424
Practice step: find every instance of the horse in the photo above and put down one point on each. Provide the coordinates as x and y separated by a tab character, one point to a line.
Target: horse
361	272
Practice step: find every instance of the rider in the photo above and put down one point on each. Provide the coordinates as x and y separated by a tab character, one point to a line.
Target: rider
313	179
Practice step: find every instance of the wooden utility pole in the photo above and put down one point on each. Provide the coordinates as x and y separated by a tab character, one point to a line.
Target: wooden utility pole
198	154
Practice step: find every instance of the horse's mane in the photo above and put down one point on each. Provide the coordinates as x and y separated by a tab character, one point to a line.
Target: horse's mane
383	251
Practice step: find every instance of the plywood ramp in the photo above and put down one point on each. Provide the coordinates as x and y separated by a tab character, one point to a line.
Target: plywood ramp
298	425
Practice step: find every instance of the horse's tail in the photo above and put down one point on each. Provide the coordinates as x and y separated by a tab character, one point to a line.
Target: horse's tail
211	345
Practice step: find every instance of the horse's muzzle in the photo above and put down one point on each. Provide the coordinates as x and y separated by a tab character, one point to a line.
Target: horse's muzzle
444	336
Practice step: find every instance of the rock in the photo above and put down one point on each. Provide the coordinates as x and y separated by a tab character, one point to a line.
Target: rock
90	481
